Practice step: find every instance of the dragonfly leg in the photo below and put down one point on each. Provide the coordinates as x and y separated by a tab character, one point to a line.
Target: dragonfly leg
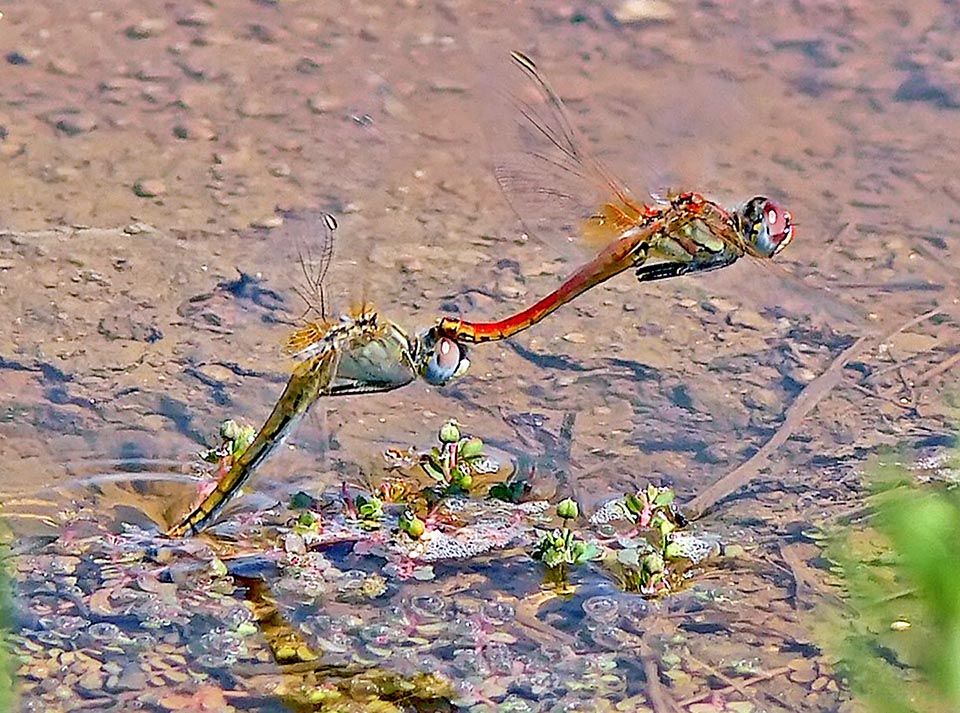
663	270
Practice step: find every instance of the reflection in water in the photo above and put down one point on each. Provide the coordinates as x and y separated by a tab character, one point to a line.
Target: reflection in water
281	617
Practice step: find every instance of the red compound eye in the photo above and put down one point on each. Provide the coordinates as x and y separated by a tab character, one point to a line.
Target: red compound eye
777	220
447	361
448	354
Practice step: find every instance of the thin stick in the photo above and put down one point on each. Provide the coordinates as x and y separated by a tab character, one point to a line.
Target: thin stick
660	699
808	399
729	689
939	369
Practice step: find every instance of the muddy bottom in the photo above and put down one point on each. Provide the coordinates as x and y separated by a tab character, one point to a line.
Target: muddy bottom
154	157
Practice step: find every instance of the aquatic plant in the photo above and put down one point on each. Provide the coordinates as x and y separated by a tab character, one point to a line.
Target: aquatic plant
369	511
454	463
8	692
562	548
652	557
898	639
511	490
234	440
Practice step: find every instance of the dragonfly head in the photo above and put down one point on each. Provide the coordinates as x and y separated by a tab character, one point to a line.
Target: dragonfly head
440	359
765	226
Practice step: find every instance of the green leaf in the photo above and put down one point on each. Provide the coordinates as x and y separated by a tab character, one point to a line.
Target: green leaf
553	558
424	573
471	448
585	552
634	504
433	470
301	501
673	551
509	492
664	497
307	519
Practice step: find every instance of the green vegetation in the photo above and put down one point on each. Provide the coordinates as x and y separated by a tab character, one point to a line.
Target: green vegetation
561	548
8	664
899	638
454	463
234	440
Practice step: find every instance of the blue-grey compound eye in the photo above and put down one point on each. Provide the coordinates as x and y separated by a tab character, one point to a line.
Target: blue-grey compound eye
447	361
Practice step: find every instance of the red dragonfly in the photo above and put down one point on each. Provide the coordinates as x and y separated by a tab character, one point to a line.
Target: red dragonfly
681	234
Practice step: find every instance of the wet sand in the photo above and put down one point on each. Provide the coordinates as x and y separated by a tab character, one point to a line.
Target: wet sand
151	152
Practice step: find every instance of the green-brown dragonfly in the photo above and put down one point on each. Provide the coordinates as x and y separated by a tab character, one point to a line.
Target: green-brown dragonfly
362	353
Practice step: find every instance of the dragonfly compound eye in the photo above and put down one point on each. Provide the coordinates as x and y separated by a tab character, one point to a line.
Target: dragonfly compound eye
768	228
779	226
447	361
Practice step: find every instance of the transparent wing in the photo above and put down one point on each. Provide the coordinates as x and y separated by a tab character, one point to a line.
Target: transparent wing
314	239
315	256
551	180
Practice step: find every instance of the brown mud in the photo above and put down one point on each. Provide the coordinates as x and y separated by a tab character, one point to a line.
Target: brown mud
150	152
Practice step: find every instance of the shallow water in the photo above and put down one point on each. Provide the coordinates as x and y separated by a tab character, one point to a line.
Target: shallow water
151	152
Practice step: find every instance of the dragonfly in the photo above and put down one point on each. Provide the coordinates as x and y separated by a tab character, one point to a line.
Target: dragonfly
362	353
680	234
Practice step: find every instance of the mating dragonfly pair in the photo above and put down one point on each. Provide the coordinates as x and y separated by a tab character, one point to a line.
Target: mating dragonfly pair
365	353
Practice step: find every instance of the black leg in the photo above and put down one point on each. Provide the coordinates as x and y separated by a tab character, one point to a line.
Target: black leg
663	270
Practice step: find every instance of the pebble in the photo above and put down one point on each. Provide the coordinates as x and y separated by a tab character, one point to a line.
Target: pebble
217	372
148	27
72	123
257	109
820	683
194	129
16	58
150	188
175	676
644	11
92	682
574	338
324	104
132	679
747	318
196	18
273	221
63	66
802	670
906	344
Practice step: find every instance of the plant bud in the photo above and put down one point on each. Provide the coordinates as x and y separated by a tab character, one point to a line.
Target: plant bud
653	563
568	509
229	430
412	525
449	432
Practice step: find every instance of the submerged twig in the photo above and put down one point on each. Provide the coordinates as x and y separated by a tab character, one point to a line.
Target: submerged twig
808	399
660	699
937	370
759	678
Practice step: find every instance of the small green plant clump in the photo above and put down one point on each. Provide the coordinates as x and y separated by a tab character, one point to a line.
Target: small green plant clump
645	562
235	439
369	509
454	463
510	491
561	548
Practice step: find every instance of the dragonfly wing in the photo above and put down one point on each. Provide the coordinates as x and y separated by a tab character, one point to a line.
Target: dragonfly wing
542	163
